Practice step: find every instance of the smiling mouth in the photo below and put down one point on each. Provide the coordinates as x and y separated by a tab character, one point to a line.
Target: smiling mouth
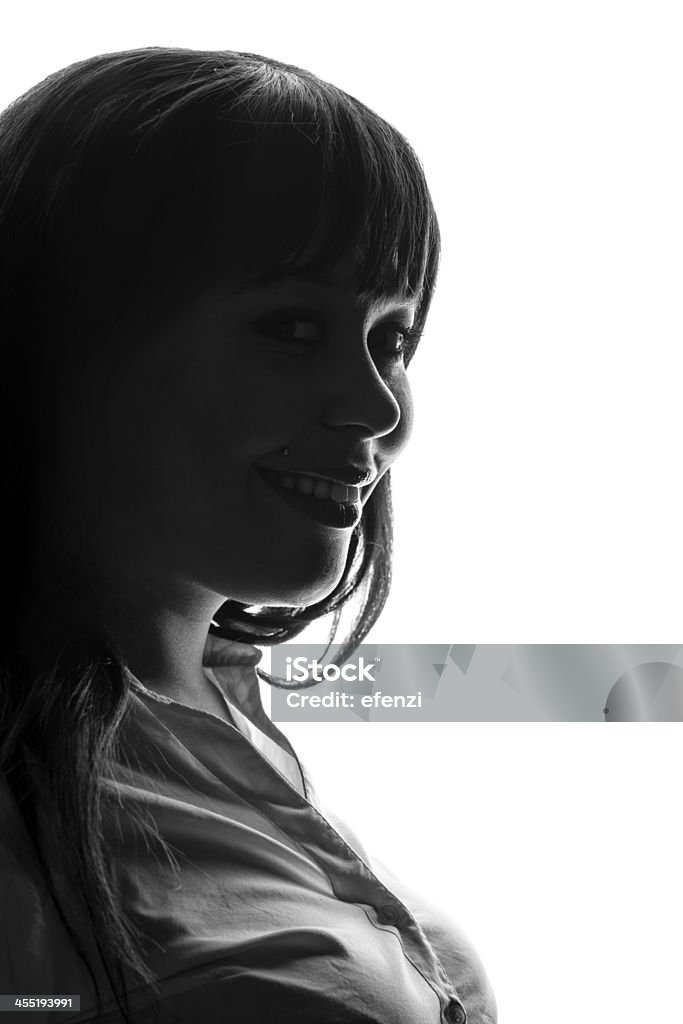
317	487
326	501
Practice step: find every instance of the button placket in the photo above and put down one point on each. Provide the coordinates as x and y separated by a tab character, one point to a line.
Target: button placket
352	880
415	945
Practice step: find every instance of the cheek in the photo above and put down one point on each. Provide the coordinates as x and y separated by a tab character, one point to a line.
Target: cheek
140	428
166	417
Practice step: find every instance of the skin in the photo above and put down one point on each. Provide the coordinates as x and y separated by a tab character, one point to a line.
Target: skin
184	518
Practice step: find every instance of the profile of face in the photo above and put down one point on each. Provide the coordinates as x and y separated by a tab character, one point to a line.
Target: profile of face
243	437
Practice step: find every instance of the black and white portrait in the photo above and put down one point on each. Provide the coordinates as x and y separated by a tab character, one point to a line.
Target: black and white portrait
352	326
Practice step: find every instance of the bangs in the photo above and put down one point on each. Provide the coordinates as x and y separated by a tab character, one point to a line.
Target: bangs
232	169
291	177
343	187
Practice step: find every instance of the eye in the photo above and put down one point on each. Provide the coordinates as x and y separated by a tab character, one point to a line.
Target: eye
396	341
297	326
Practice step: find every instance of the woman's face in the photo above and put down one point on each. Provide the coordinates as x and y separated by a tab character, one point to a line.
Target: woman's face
197	416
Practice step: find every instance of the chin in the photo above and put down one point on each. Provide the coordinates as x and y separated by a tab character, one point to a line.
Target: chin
294	592
290	579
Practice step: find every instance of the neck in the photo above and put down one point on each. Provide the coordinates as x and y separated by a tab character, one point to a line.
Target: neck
161	628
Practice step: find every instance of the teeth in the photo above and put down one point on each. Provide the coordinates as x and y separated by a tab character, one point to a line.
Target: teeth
321	489
342	493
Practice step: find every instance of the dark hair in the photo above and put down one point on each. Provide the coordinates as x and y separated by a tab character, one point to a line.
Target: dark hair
128	182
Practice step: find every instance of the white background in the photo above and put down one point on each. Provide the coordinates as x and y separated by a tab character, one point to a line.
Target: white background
540	499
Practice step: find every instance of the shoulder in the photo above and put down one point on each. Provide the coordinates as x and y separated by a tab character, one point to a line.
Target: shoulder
25	938
36	954
25	958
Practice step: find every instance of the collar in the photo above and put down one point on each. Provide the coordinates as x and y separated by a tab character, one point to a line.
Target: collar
233	666
218	652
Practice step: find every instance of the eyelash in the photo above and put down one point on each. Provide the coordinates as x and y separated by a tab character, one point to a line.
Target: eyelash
273	327
410	335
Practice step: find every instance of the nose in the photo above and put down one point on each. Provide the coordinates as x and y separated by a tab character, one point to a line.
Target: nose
357	395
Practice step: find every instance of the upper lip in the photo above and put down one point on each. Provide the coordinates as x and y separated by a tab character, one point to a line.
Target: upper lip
349	473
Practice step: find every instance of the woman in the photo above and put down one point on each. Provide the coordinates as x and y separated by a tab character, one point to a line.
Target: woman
215	270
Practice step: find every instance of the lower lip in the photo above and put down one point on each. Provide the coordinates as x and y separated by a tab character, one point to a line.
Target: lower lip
322	510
